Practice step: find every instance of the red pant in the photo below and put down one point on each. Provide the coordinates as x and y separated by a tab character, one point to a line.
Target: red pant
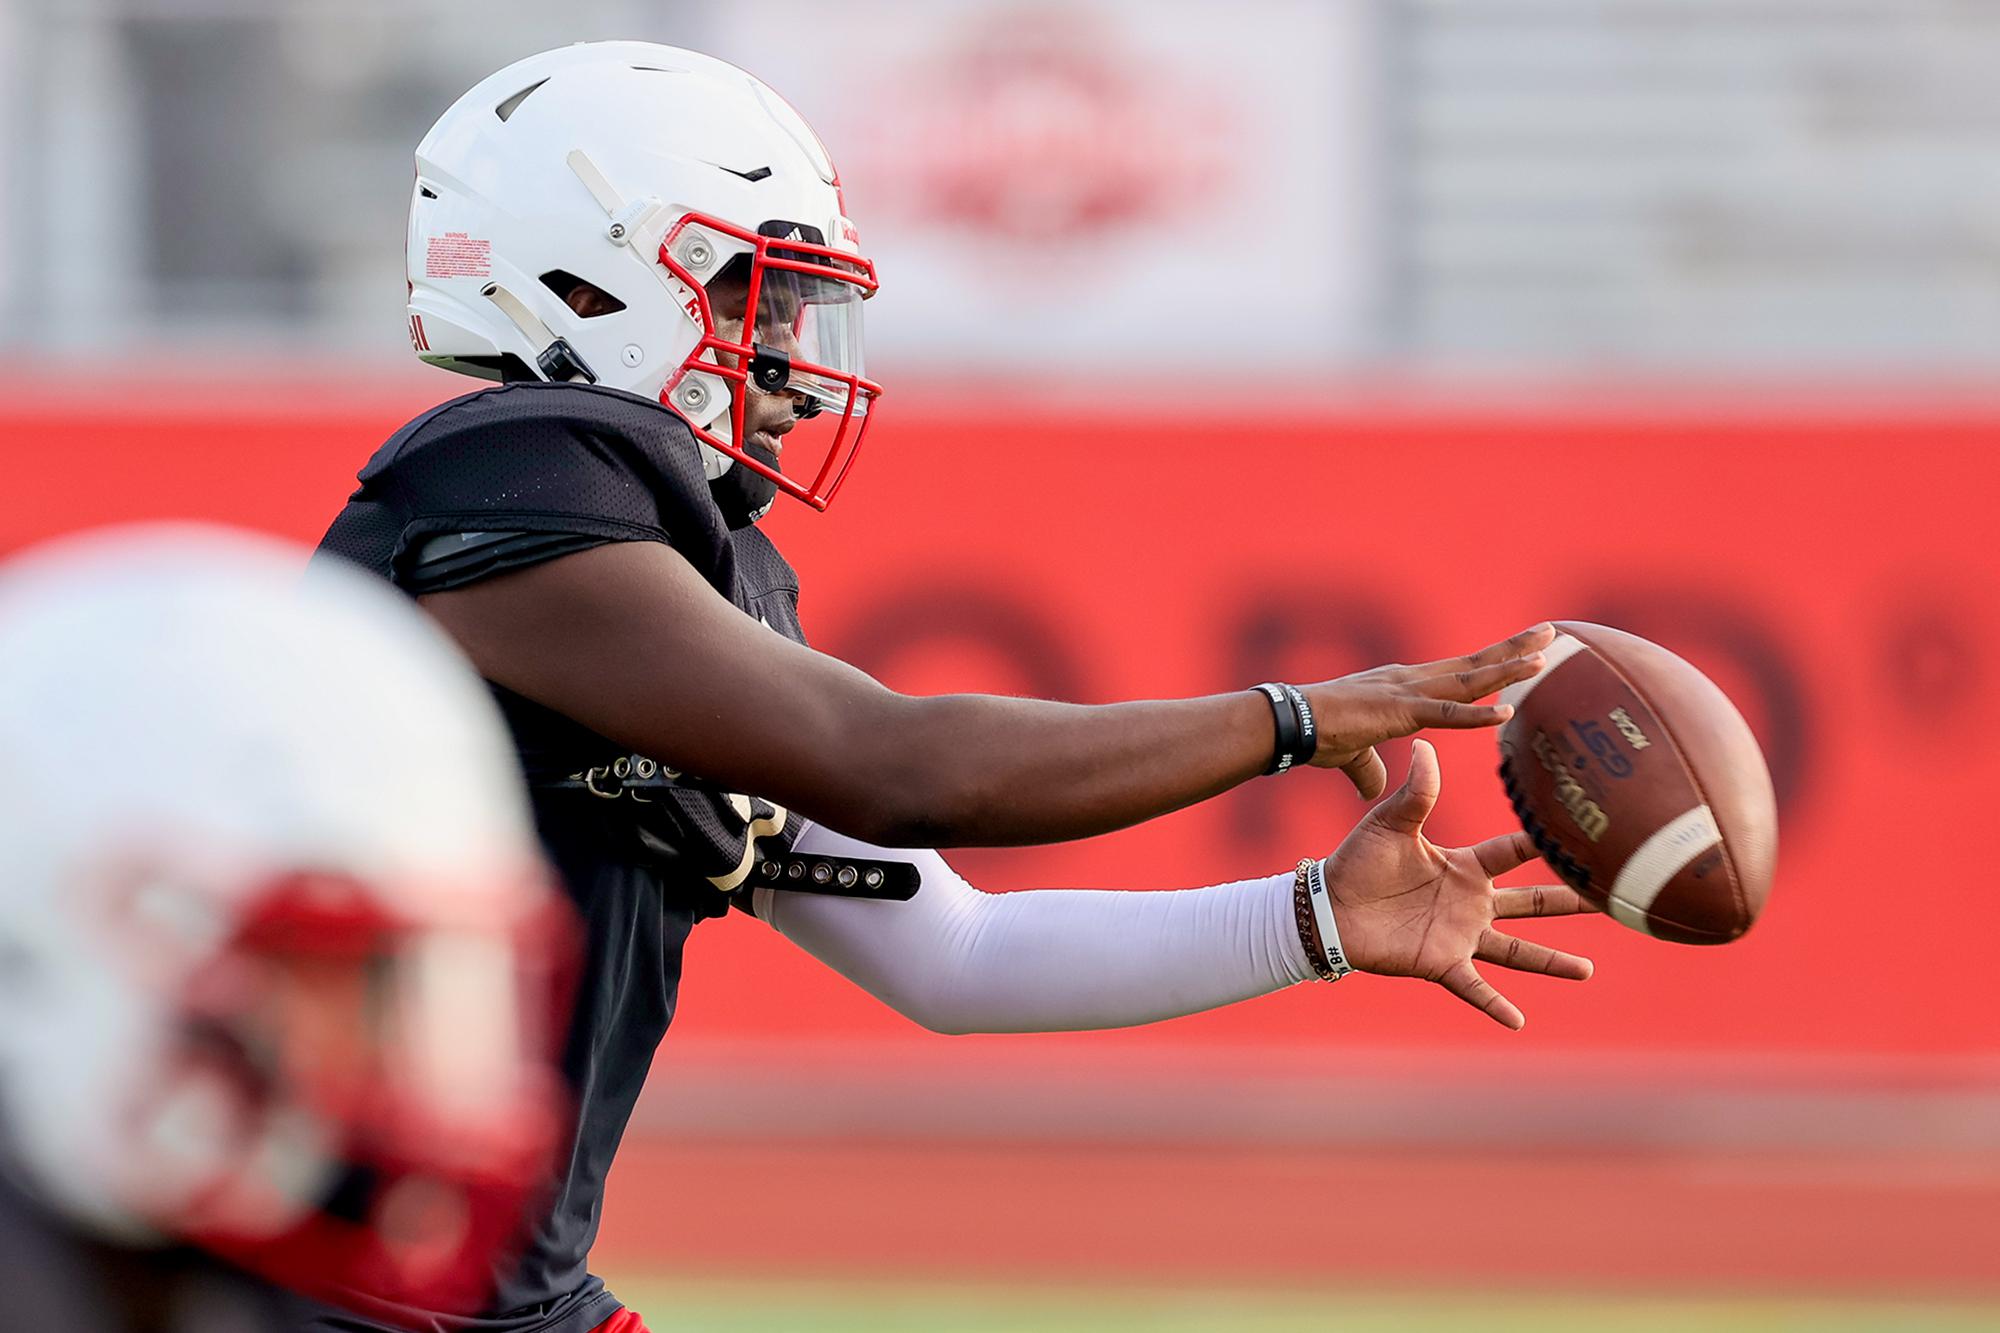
625	1321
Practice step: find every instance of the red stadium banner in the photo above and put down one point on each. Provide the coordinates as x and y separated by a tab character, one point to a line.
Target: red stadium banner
1830	568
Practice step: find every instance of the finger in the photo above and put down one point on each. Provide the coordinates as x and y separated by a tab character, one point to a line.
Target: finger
1478	682
1509	851
1465	982
1452	714
1368	773
1528	956
1531	640
1540	900
1407	810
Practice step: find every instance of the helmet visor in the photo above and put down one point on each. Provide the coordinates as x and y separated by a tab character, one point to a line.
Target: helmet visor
829	340
811	313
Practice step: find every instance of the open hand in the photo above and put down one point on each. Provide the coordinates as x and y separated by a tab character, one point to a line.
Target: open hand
1356	713
1406	907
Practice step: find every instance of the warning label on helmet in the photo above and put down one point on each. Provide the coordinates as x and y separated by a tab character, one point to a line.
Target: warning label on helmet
456	255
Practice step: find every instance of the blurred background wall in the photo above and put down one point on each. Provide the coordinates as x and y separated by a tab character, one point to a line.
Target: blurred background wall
1226	342
1721	186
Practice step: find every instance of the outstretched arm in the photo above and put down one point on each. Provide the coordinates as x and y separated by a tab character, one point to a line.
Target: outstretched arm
958	960
630	641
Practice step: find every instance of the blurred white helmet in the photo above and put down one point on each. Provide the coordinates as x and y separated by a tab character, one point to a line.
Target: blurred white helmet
650	173
275	937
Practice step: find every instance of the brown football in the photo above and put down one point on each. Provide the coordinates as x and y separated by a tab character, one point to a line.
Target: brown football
1642	786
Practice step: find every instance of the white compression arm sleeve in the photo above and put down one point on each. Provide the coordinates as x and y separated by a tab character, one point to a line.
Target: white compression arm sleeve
956	959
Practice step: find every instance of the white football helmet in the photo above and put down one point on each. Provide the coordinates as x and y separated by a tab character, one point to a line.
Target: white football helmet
649	173
279	958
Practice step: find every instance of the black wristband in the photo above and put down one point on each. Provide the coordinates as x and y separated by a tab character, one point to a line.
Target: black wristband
1290	736
1308	729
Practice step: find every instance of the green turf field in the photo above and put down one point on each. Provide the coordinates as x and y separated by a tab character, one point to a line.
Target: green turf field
789	1307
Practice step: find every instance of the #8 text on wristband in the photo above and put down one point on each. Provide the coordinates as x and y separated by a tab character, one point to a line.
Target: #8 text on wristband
1297	737
1329	933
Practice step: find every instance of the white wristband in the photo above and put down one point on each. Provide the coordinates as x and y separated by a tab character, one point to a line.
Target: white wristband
1329	934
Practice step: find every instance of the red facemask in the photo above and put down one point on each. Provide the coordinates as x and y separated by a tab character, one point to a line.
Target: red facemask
799	348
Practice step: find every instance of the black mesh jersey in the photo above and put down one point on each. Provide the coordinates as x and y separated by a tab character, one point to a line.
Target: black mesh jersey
496	481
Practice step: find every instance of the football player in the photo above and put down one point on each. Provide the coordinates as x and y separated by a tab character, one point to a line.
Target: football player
650	252
278	957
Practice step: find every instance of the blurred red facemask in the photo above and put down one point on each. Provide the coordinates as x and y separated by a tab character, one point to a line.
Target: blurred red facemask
389	1084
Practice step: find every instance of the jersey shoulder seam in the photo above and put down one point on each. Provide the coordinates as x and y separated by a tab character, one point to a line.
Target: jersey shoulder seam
525	520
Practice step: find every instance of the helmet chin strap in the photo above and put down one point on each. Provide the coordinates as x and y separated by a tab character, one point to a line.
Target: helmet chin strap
557	360
743	494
